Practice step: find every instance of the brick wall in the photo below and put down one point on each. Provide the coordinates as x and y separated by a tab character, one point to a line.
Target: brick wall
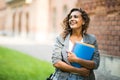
105	23
107	31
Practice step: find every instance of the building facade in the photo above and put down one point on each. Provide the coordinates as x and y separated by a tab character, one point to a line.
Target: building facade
26	19
35	19
2	15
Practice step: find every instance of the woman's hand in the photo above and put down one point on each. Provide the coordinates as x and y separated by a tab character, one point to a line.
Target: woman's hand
84	72
72	57
89	64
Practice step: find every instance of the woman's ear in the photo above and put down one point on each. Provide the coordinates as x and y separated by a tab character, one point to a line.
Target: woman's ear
83	23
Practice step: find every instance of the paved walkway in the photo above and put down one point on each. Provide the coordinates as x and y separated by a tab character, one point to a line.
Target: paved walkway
38	50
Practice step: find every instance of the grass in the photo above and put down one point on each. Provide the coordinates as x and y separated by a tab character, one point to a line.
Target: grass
15	65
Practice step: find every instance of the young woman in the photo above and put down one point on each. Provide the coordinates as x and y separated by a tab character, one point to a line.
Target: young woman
75	29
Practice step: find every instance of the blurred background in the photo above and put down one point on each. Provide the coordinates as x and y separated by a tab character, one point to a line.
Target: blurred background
31	26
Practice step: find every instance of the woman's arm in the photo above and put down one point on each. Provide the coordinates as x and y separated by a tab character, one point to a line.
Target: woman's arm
85	63
68	68
90	64
59	64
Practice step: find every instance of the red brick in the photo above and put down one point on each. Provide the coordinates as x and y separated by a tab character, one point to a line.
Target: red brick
114	33
114	23
100	46
108	23
117	28
116	38
118	32
111	28
118	42
110	37
117	18
110	48
117	54
116	48
108	32
111	18
118	23
103	23
114	43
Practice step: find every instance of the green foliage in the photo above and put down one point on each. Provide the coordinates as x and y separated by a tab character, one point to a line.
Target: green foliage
15	65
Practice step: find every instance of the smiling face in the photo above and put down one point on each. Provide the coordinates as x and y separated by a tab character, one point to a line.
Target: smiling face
75	20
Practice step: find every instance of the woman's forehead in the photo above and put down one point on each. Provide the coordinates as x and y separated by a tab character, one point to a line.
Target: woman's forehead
75	13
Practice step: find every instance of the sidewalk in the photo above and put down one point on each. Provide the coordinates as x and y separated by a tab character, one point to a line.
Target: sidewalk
33	48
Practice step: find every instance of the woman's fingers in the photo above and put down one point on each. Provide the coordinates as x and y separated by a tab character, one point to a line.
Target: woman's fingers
84	72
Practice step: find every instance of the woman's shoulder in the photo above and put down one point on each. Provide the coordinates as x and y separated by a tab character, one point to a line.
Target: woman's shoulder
91	36
59	38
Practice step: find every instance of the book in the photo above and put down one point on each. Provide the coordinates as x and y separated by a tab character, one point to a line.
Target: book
83	51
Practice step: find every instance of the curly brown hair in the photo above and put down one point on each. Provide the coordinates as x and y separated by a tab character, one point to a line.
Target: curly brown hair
67	29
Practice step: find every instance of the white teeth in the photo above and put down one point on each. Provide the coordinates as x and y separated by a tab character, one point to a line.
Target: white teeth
72	22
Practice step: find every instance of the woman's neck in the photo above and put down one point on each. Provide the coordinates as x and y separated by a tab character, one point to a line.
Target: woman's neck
76	36
76	33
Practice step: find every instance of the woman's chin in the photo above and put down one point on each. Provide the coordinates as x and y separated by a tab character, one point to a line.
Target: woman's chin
74	27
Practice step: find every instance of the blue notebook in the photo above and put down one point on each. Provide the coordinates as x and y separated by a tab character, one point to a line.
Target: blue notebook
83	51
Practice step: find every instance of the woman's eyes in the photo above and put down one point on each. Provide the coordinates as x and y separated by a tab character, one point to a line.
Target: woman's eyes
74	16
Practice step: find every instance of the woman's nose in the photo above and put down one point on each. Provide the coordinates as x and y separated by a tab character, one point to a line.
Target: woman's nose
72	18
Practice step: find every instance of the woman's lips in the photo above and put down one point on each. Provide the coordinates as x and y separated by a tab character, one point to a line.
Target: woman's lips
73	22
